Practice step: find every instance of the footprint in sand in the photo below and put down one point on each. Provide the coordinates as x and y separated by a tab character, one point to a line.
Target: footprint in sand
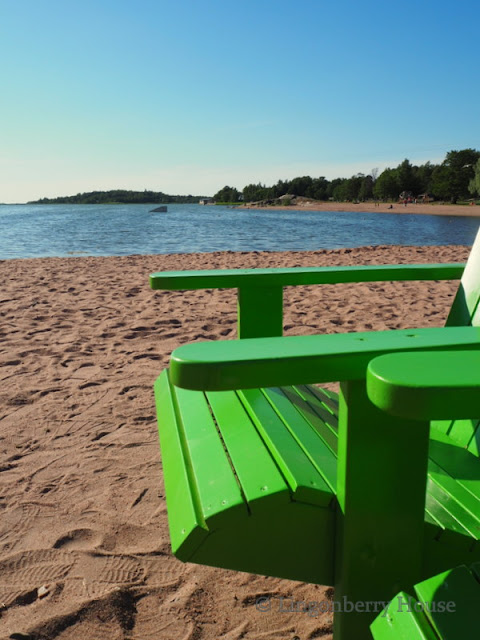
23	573
79	539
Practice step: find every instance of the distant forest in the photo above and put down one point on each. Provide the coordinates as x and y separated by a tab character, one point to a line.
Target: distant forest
120	196
456	178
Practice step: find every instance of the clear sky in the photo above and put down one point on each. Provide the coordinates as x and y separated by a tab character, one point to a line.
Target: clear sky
187	96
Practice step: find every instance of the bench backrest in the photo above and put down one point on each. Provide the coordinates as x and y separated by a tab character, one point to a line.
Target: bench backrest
465	311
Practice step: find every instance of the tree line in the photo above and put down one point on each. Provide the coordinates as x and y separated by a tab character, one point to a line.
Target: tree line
119	196
456	178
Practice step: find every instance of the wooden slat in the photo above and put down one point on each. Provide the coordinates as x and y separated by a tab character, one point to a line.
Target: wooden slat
462	431
458	493
450	503
184	511
431	519
440	426
217	486
474	444
460	588
259	477
306	484
440	513
320	415
464	310
460	464
325	397
407	624
286	404
233	278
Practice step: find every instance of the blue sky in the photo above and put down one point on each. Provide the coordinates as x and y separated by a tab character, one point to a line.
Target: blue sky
187	96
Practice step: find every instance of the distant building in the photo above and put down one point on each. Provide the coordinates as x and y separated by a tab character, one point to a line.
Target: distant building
205	201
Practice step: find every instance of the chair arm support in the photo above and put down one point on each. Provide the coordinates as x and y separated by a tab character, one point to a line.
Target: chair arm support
260	291
237	278
250	363
426	385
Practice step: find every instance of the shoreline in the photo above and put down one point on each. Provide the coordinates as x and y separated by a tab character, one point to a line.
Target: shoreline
228	258
457	210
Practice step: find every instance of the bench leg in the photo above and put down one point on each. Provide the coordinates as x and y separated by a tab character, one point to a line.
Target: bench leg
382	474
260	311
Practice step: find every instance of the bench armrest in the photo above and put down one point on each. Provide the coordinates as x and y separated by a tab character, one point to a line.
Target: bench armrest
237	278
269	362
426	385
260	291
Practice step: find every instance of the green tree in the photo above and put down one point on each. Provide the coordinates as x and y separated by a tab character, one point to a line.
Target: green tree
366	188
301	186
334	188
255	192
386	186
353	186
406	177
320	188
424	177
227	194
450	180
474	184
279	189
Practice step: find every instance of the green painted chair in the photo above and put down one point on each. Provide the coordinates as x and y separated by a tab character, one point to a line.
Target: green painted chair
268	474
426	386
444	607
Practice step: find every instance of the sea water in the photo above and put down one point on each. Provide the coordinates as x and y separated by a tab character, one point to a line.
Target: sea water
28	231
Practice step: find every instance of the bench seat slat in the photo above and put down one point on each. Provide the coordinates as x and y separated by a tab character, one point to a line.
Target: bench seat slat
320	415
186	523
217	486
326	397
457	462
408	624
287	404
305	481
462	431
450	485
474	444
450	503
441	426
449	522
259	477
460	587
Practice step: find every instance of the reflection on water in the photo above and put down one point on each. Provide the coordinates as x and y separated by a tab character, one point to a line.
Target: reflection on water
104	230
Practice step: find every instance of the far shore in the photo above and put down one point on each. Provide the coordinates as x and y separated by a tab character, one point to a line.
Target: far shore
433	209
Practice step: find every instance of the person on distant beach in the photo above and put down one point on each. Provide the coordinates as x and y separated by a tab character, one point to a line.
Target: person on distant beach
391	206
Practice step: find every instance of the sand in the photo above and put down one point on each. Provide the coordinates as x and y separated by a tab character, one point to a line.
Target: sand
84	547
435	209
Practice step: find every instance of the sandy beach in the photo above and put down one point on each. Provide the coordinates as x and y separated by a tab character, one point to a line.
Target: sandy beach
84	546
433	209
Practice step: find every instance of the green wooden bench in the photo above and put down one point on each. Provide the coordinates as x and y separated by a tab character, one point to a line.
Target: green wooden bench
266	473
444	607
425	386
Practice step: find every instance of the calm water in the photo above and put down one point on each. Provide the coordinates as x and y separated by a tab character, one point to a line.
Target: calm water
28	231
